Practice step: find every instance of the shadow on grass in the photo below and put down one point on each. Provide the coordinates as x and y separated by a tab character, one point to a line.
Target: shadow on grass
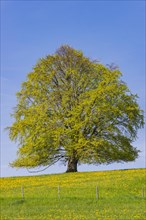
17	202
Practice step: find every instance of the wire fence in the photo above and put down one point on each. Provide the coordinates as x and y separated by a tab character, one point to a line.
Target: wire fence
62	192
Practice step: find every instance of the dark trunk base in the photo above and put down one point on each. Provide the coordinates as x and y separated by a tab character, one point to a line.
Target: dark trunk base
72	165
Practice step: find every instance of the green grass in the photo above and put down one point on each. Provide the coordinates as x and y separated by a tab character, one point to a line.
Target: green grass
120	196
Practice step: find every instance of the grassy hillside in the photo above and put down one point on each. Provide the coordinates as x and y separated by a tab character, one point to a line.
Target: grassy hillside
115	195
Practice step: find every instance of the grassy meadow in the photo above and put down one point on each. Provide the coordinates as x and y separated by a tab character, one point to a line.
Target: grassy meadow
107	195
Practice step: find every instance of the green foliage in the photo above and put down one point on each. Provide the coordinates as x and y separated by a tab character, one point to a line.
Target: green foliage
73	107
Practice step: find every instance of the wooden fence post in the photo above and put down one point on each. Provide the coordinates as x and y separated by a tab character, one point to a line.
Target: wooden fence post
58	191
97	192
22	192
143	192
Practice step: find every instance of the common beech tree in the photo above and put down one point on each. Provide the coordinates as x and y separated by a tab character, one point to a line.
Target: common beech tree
74	110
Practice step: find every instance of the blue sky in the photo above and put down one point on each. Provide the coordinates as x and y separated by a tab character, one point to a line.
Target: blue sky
109	31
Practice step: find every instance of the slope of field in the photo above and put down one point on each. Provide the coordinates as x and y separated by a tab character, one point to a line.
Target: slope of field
115	195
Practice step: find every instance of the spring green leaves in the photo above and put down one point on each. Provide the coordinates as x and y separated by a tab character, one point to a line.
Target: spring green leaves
74	109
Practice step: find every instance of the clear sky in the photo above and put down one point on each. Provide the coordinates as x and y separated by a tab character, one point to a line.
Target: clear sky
109	31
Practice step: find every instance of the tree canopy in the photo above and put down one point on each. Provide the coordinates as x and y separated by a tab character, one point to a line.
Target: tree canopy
75	110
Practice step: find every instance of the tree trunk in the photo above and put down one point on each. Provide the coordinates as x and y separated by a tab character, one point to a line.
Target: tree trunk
72	165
